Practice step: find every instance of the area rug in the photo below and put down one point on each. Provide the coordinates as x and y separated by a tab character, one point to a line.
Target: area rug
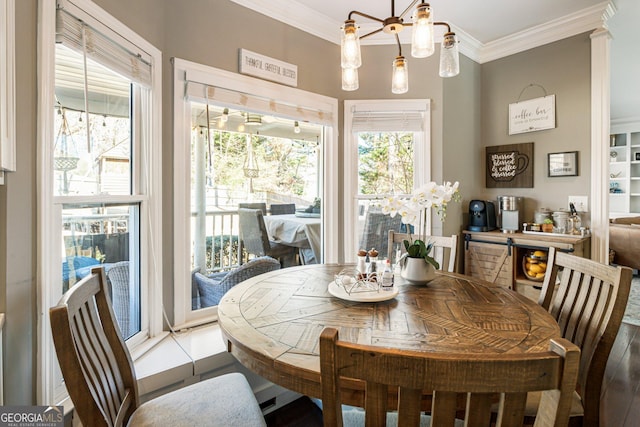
632	313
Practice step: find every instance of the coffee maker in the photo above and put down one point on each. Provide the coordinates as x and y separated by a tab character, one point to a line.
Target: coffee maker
482	215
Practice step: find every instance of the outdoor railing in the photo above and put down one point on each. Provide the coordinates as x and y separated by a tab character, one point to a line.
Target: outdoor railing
222	240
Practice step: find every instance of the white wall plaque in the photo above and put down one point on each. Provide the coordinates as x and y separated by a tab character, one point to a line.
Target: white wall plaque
254	64
532	115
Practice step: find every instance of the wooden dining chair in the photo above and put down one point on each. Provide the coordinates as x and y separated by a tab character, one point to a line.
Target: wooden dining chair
100	378
445	376
588	300
441	245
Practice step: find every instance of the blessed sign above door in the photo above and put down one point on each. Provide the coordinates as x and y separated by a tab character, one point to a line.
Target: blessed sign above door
510	166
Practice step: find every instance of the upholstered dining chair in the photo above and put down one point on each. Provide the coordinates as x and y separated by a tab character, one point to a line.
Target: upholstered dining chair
588	300
282	208
211	289
479	377
100	378
442	246
255	239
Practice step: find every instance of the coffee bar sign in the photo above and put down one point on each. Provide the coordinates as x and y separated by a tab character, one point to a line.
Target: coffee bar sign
532	115
254	64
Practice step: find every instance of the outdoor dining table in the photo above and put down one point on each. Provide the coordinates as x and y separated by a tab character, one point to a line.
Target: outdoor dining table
272	323
298	230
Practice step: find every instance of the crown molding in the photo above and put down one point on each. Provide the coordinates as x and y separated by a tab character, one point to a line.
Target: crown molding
624	121
297	15
582	21
308	20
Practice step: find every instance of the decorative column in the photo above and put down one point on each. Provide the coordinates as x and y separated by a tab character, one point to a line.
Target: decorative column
600	123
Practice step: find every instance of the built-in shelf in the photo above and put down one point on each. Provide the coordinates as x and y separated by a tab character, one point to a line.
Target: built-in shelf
624	149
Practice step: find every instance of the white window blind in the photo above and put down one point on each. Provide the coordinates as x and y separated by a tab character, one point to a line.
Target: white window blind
200	92
388	121
101	46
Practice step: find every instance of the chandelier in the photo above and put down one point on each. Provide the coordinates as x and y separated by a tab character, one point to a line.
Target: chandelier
422	45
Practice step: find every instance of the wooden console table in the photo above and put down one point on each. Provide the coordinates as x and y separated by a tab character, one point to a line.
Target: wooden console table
496	257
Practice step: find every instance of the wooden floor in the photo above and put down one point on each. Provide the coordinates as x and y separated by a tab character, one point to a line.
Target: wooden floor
620	400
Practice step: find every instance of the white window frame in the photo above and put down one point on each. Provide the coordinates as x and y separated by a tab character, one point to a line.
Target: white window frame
148	192
7	88
215	77
421	157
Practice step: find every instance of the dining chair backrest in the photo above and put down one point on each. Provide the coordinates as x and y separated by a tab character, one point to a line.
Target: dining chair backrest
447	375
588	301
376	226
444	248
254	205
282	208
253	231
99	374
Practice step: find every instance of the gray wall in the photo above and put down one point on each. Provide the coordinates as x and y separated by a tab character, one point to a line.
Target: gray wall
18	225
564	69
206	31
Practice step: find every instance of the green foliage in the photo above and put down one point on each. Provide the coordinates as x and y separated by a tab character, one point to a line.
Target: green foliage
284	164
547	221
386	162
418	249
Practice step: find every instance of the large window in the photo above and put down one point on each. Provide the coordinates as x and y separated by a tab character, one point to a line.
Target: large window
99	180
242	140
386	152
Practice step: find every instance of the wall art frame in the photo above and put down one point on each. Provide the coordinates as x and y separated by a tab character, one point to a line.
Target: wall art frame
562	164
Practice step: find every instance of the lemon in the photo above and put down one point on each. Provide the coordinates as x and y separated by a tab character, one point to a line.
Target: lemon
539	254
527	266
539	275
543	265
535	269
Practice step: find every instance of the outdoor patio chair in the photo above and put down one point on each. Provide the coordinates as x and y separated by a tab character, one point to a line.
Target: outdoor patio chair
99	373
212	288
376	226
588	300
118	277
255	239
283	209
477	377
254	205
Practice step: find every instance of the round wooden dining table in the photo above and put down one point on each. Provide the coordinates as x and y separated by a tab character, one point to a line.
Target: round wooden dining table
272	323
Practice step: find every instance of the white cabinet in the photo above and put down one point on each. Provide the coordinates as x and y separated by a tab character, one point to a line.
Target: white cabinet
624	169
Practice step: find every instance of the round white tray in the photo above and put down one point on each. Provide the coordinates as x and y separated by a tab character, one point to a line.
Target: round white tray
366	296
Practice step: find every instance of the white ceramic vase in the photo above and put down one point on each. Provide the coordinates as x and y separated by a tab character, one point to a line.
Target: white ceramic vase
417	271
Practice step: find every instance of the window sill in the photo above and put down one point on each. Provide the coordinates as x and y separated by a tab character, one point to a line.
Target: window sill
176	360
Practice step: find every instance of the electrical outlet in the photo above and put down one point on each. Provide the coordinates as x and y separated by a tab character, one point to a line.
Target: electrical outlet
580	202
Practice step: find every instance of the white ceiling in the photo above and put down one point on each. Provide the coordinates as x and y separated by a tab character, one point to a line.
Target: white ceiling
490	29
487	29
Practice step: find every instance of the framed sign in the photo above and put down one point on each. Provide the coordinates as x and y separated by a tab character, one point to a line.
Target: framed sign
563	164
532	115
256	65
510	166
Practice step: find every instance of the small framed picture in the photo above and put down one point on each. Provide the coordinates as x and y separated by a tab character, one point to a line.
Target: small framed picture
563	164
637	155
